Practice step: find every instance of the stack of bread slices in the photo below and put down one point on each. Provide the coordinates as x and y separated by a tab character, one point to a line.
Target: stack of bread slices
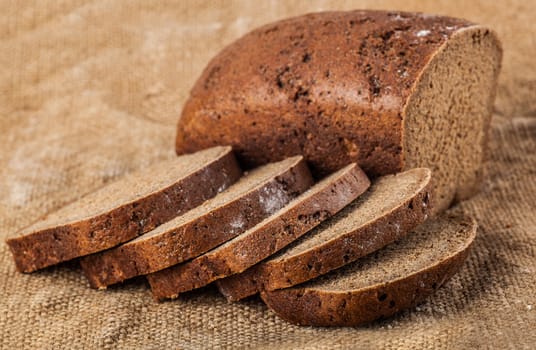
317	157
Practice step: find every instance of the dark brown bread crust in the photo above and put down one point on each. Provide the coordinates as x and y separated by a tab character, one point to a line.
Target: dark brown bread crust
269	236
54	245
193	237
312	307
283	273
335	104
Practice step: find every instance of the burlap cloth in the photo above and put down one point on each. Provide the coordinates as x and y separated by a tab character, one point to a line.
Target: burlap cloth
91	91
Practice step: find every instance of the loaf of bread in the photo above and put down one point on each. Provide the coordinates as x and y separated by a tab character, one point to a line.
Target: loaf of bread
390	91
407	97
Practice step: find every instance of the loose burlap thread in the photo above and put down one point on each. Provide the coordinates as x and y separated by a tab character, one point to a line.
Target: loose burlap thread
92	90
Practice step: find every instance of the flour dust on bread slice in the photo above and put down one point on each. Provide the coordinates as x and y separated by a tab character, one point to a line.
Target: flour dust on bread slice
394	278
254	197
393	206
302	214
125	209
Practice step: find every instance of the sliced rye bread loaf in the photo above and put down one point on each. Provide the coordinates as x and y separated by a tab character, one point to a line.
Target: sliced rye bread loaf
302	214
393	206
254	197
422	90
124	209
377	286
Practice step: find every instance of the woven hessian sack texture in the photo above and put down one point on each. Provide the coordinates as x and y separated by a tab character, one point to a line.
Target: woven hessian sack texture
92	90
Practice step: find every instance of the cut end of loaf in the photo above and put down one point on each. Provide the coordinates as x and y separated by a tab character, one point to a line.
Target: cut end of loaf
447	117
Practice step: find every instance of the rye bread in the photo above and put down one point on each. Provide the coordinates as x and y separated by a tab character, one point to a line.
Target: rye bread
124	209
390	91
254	197
393	279
302	214
393	206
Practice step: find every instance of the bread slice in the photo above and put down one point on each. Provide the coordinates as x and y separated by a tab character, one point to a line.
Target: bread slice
272	234
388	90
256	196
393	206
124	209
381	284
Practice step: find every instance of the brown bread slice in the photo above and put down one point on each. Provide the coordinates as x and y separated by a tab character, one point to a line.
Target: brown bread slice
308	210
256	196
393	206
124	209
395	278
388	90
